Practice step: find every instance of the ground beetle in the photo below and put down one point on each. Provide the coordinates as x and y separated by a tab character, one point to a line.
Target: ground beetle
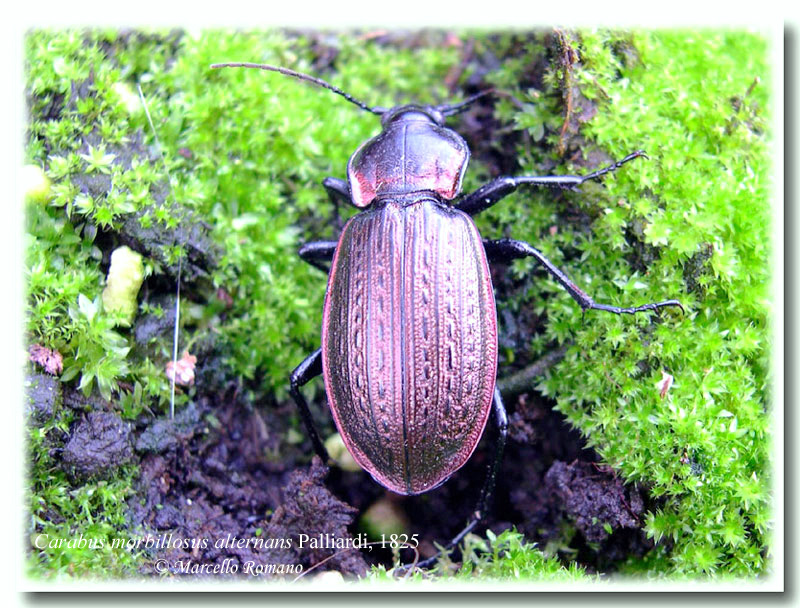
409	331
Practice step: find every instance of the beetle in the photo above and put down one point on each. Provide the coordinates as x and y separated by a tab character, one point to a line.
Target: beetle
409	332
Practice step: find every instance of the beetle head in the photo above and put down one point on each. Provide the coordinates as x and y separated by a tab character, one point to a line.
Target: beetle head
412	113
415	151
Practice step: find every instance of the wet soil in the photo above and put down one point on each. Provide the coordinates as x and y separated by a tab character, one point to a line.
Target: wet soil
99	444
219	474
212	498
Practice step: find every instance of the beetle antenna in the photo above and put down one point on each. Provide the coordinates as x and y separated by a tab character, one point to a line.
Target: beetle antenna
301	76
457	108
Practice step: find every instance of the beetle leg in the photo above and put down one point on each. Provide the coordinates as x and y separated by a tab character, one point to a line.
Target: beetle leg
310	368
497	189
338	192
505	250
484	502
317	252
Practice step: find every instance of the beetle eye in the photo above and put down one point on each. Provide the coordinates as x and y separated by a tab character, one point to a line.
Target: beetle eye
436	115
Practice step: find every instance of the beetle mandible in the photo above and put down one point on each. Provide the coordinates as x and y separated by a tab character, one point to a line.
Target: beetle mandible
409	331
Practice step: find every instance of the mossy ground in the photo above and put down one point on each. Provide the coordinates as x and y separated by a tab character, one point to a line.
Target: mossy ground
246	151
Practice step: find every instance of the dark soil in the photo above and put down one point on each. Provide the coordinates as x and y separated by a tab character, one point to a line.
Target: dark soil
215	487
99	444
221	473
43	395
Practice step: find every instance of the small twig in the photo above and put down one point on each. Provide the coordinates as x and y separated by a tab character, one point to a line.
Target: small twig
180	259
523	380
568	59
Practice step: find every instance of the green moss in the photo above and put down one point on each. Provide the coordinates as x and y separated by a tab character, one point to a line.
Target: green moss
507	557
92	516
83	134
497	558
697	102
691	102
